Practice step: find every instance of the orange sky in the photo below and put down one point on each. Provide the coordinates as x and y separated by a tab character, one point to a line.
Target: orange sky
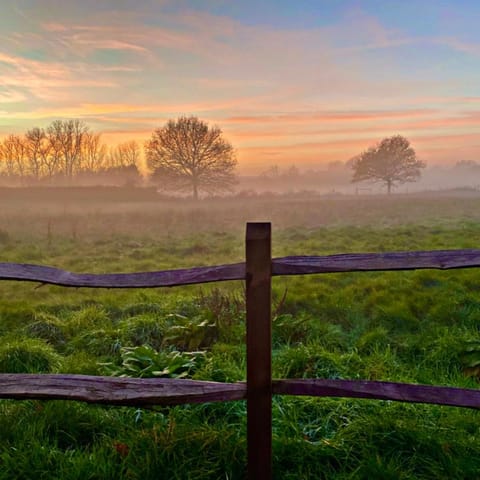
299	83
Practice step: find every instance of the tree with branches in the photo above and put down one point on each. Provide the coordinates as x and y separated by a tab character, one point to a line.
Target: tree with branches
189	155
392	162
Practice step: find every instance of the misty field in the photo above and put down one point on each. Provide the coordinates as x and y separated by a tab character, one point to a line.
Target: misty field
418	327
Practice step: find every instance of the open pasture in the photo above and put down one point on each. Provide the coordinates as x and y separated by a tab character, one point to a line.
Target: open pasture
418	327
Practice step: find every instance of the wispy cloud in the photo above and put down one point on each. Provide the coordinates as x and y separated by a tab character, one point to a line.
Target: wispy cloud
280	92
11	96
470	48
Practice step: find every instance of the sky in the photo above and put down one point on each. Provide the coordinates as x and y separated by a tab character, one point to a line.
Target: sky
290	82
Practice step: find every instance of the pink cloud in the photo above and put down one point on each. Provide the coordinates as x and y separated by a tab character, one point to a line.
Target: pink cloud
276	92
11	96
43	79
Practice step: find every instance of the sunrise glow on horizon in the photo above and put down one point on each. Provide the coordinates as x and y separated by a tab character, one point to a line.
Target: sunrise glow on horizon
290	83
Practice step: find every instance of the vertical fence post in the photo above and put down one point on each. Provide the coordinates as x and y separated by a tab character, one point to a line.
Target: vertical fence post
259	351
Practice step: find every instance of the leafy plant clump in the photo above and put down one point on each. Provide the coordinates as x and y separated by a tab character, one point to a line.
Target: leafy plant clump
145	362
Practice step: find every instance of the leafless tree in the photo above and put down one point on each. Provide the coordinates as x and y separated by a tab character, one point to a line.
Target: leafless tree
38	149
93	153
188	154
7	167
67	137
124	155
14	155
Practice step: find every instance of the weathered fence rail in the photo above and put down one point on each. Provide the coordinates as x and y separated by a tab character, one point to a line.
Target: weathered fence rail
135	392
400	392
259	387
296	265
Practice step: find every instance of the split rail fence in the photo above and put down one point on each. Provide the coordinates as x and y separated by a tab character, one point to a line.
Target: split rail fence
257	271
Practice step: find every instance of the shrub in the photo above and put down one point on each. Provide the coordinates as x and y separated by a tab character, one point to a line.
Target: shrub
191	333
47	327
313	361
290	329
226	364
372	340
87	318
28	356
80	363
97	342
146	329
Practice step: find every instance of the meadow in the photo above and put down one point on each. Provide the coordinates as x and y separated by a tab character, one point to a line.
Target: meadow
418	327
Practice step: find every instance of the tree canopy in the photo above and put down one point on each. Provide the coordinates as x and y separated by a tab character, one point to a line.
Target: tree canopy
189	155
63	152
392	162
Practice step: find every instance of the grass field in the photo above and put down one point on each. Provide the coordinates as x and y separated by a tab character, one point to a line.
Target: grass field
420	327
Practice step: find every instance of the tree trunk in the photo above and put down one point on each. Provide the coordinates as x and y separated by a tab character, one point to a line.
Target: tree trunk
389	186
195	190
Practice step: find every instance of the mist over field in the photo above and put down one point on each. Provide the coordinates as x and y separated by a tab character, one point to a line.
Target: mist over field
412	327
141	138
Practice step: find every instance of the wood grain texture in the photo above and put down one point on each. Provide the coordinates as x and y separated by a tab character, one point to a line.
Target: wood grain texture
365	262
116	390
402	392
298	265
258	293
166	278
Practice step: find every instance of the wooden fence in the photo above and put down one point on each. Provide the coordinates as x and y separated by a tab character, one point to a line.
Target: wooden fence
257	271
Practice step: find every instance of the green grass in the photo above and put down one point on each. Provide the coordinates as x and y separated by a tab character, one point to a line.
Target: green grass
420	327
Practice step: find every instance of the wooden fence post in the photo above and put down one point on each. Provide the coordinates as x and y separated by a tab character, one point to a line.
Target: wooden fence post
259	351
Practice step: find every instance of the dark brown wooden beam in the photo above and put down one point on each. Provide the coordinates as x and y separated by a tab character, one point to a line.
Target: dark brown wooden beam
166	278
259	351
116	390
368	262
402	392
298	265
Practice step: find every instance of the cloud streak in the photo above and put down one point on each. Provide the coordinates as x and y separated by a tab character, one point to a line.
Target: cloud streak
288	92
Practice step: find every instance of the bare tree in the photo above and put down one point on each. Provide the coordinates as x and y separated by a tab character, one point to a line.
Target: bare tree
93	153
52	162
68	136
38	149
14	153
124	155
7	158
392	162
187	154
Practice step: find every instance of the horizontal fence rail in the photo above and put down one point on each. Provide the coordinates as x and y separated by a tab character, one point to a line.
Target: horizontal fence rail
296	265
143	392
257	272
164	278
401	392
376	262
117	390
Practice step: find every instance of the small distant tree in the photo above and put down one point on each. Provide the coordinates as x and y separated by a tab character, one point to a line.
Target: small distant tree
93	153
188	154
392	162
124	155
67	138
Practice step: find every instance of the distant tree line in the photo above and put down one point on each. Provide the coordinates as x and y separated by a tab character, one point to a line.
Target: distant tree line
65	151
186	155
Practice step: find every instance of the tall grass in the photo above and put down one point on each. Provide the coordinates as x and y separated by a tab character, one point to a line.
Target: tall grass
399	326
